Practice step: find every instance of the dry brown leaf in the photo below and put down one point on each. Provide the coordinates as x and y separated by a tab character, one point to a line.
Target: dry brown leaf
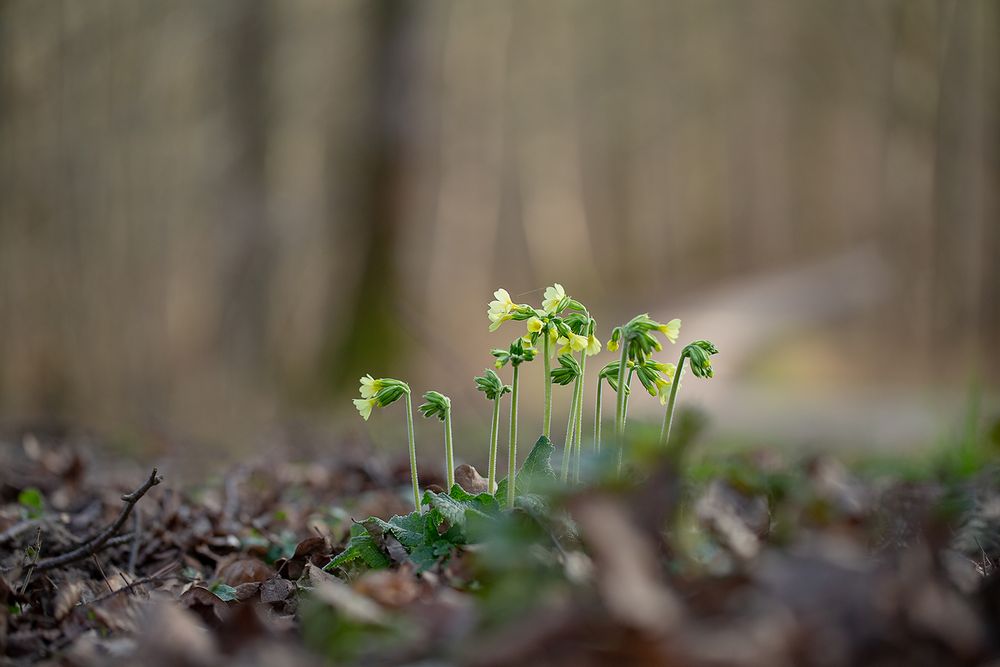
67	598
469	479
242	570
392	588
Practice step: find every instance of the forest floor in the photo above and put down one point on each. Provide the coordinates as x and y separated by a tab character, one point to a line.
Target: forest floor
759	559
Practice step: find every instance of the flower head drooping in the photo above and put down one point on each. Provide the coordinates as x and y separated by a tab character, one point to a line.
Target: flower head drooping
567	371
436	405
378	393
534	325
610	373
491	385
698	354
554	299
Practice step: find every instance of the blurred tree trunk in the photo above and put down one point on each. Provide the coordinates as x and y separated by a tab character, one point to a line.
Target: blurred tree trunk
964	167
372	340
246	242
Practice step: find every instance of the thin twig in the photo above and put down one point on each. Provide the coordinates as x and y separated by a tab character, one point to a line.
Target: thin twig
92	545
18	528
156	576
36	552
101	570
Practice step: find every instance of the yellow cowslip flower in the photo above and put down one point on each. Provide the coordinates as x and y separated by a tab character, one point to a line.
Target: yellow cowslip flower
534	325
364	407
574	343
500	309
593	345
552	297
671	330
663	389
369	386
612	345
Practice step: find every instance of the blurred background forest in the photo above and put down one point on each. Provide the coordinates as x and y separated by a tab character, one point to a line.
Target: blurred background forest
215	215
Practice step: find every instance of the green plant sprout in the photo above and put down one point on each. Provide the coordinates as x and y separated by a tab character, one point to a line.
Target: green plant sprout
490	384
566	329
637	341
380	393
438	405
697	354
546	323
518	353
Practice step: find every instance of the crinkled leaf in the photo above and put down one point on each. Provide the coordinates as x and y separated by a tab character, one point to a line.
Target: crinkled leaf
455	509
536	470
410	529
539	461
361	547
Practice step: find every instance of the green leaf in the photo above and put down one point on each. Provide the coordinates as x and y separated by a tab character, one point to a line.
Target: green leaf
410	529
224	592
536	470
539	461
361	547
424	557
32	500
453	510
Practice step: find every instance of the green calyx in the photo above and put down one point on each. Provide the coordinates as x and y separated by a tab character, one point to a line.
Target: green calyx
491	385
567	371
518	353
437	405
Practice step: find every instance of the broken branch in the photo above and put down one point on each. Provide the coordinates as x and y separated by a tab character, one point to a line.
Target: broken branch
92	545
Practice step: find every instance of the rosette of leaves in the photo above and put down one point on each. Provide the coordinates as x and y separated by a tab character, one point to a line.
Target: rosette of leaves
453	519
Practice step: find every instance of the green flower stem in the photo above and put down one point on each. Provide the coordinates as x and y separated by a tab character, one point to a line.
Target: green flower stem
620	405
494	432
597	416
579	415
413	453
628	383
449	452
668	416
512	458
570	430
547	413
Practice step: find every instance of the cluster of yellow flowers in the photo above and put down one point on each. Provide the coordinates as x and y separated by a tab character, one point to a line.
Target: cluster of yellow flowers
564	328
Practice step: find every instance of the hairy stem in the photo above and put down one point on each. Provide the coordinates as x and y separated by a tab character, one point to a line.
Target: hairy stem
449	452
668	416
570	430
597	417
579	415
494	432
620	405
547	413
628	383
512	456
413	453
